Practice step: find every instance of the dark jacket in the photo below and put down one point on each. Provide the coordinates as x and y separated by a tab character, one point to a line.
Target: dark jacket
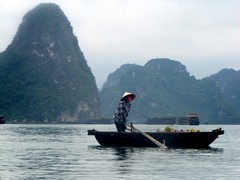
122	111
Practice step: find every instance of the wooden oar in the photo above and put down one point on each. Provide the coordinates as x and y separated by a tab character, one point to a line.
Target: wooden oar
149	137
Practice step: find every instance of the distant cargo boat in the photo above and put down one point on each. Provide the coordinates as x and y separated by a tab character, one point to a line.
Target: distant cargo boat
193	119
2	121
190	119
169	120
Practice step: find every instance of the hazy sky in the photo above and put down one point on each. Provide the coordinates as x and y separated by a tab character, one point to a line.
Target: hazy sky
204	35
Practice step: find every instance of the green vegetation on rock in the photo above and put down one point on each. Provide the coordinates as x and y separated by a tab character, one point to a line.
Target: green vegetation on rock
164	87
44	75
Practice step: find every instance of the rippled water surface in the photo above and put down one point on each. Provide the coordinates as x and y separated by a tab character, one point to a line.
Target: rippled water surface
67	152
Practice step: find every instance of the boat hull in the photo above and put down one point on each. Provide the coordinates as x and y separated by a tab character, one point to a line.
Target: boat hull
170	139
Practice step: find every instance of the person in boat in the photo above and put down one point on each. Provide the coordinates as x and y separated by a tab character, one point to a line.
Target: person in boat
123	108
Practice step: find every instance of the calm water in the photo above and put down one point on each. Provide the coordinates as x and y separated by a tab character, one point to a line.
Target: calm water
67	152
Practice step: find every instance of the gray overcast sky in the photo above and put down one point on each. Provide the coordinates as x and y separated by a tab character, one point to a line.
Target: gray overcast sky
204	35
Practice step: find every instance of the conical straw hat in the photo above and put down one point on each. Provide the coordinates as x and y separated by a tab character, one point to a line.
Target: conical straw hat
128	94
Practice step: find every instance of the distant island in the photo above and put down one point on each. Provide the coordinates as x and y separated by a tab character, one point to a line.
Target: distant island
163	86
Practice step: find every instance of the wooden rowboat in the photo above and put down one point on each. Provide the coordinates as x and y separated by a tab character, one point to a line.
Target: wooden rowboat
170	139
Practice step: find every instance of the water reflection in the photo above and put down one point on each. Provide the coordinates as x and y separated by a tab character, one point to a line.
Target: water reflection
216	150
121	153
209	150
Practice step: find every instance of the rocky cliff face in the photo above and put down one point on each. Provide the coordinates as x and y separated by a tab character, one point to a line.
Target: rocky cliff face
163	87
45	75
228	80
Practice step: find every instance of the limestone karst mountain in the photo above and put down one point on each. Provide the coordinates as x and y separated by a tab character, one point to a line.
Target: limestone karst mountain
44	74
163	87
